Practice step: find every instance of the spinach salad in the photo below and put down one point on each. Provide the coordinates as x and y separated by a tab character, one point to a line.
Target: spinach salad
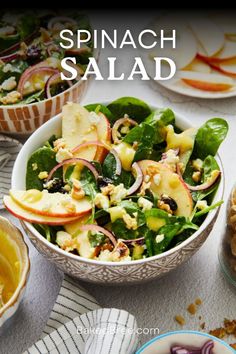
122	182
30	55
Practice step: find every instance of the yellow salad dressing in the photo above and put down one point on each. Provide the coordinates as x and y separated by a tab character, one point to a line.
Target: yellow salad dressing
9	268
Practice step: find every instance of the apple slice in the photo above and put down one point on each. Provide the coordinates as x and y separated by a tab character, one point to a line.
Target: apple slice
170	184
74	227
50	204
104	135
26	215
227	52
198	65
77	128
209	35
227	67
186	44
206	82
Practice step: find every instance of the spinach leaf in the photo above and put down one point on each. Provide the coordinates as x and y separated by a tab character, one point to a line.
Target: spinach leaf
35	97
27	24
149	237
97	107
120	230
132	208
144	135
135	108
209	137
159	119
109	171
169	231
88	182
49	232
43	159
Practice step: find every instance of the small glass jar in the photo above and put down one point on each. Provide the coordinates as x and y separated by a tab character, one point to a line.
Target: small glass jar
227	251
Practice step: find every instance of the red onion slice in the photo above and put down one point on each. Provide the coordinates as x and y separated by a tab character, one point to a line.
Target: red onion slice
74	161
205	185
207	347
139	241
9	57
97	228
60	19
32	71
138	180
117	125
55	78
118	162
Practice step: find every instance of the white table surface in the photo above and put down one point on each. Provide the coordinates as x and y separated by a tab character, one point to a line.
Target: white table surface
156	303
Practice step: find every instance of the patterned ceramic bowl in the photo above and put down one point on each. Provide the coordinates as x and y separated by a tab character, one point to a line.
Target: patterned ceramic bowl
25	119
108	272
14	255
162	344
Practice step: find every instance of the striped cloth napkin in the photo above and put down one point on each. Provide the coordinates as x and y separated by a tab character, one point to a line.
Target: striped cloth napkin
77	324
9	149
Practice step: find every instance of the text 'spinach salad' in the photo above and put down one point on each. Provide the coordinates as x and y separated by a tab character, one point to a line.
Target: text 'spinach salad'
123	182
30	55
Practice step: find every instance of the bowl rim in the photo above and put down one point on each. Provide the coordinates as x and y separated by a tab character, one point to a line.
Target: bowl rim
220	192
95	53
24	249
169	334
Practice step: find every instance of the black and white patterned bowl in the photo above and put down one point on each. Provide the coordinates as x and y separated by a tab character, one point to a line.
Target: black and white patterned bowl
109	272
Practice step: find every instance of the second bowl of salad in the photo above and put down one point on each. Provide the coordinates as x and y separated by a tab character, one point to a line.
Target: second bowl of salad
119	192
31	89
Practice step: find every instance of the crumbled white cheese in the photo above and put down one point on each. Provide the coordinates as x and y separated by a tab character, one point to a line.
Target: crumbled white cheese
160	238
201	204
94	118
171	159
119	192
27	85
34	166
197	164
65	241
144	204
43	175
105	256
63	154
102	201
7	68
157	179
9	84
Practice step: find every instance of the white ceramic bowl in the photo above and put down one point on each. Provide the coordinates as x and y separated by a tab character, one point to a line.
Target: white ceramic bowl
162	344
15	239
108	272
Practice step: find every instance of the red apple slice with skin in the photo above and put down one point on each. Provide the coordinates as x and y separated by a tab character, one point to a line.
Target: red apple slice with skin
104	135
26	215
227	67
170	184
209	35
51	204
206	82
227	52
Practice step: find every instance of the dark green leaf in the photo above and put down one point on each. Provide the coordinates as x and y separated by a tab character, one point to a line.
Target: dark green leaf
97	239
209	138
159	119
97	107
44	159
135	108
109	171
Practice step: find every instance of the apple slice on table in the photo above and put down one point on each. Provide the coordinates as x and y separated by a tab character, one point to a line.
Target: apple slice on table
20	213
226	67
227	52
77	128
210	37
50	204
170	184
104	136
206	82
198	65
186	44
